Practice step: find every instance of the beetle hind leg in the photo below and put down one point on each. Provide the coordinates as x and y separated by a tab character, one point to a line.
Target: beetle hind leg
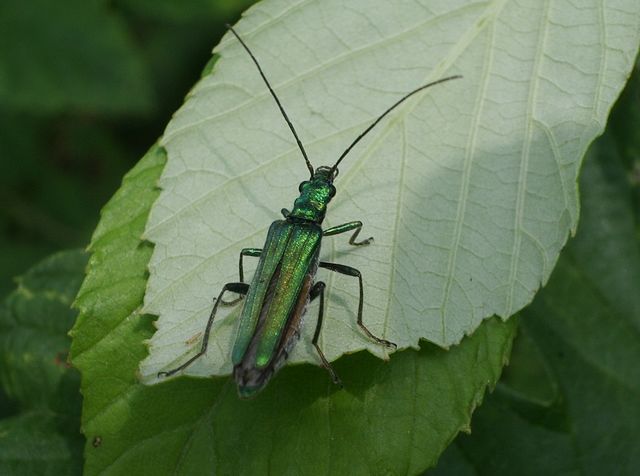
318	290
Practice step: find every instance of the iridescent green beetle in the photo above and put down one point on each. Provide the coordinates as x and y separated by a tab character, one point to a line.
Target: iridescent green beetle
283	284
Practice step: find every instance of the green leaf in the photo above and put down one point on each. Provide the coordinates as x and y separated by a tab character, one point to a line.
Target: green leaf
41	436
568	402
468	188
71	55
392	417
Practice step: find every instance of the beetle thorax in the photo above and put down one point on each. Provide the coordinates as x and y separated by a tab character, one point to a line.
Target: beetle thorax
315	195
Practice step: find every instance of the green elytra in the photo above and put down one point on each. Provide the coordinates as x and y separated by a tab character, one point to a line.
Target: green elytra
283	283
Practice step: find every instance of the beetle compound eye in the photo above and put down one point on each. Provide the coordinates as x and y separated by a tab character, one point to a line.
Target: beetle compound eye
301	186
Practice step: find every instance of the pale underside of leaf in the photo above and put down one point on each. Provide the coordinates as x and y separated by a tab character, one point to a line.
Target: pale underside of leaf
469	189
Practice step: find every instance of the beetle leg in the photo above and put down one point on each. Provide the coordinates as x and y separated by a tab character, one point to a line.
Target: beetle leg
255	252
318	290
352	225
349	271
239	288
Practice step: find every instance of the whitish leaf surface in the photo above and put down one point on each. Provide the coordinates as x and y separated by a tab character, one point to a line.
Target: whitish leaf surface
469	188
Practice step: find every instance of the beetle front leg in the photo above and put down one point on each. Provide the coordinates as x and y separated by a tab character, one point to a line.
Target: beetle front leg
352	225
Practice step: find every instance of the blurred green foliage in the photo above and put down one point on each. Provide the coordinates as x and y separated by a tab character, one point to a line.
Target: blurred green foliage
85	88
39	399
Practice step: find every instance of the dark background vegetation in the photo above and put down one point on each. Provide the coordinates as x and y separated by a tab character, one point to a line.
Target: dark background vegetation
86	87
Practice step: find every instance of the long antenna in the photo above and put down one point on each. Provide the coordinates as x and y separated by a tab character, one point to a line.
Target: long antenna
366	131
266	81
